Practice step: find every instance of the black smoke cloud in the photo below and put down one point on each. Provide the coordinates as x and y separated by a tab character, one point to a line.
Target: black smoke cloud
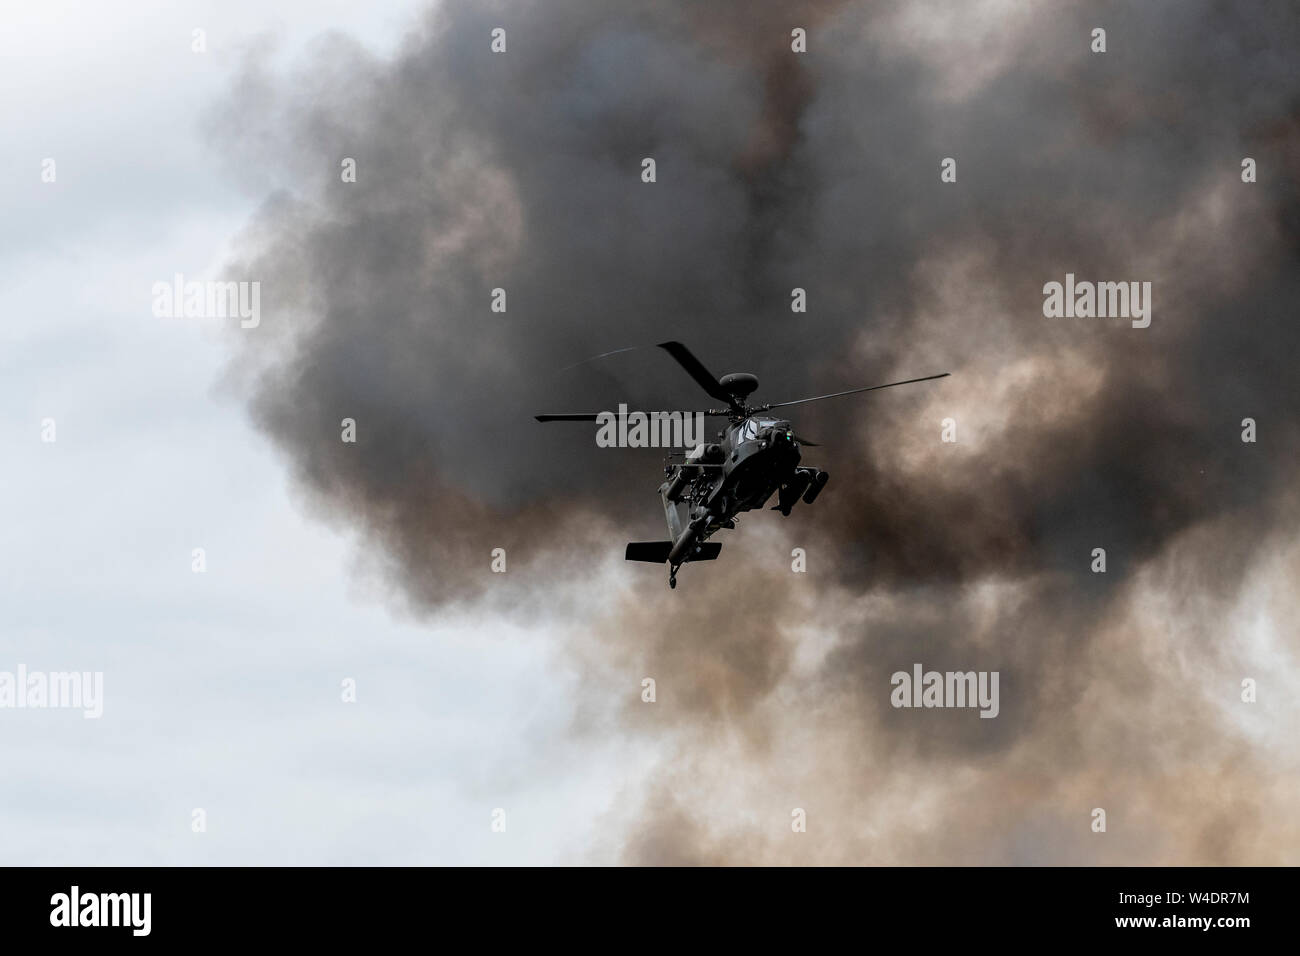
821	171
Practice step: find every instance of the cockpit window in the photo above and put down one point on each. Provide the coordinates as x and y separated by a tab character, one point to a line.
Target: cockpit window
751	427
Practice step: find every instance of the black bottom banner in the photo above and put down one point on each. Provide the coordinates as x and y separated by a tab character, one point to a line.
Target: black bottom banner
335	905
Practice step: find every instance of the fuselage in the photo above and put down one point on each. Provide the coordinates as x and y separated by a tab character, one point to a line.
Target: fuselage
761	454
752	459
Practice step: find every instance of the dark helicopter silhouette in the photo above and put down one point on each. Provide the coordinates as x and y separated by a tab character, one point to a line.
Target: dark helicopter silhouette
755	456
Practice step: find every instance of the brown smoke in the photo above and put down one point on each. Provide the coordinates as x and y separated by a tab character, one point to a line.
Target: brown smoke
778	170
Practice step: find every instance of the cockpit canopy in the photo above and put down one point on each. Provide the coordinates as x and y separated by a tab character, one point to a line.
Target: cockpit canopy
754	428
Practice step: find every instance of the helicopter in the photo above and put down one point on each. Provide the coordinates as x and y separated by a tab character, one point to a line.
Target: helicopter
756	456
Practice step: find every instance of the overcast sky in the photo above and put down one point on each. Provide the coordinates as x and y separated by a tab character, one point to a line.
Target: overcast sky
223	689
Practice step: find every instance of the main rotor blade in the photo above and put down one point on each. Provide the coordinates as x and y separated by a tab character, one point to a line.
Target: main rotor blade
595	358
853	391
696	370
595	416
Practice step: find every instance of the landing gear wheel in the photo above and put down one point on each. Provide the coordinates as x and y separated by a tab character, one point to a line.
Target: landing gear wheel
672	580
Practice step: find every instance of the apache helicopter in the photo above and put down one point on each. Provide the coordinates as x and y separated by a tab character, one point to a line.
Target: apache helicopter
756	456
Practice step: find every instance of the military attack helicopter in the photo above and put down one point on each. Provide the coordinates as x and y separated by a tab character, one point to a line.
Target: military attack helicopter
756	455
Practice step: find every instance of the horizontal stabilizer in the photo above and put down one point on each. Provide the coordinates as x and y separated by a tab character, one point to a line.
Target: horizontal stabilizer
656	552
708	551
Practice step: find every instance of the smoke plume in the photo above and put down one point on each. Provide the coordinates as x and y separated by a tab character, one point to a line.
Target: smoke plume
778	170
